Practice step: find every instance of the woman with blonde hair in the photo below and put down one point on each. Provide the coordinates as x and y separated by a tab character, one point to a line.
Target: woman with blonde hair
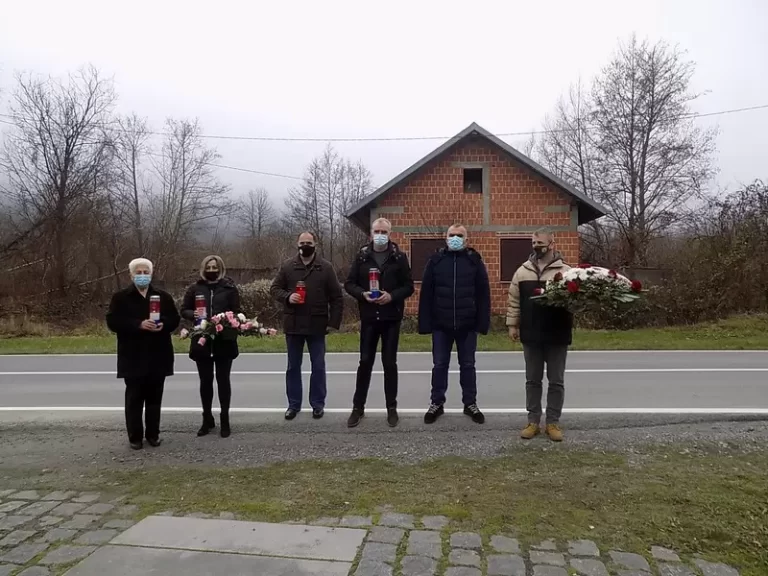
220	295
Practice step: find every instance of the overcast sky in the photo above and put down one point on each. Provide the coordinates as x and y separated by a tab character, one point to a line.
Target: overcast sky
309	68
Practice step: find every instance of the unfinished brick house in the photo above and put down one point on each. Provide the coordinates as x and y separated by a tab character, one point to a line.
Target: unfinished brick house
498	193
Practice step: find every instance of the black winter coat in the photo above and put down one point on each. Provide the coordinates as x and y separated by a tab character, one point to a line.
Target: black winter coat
455	293
394	278
220	297
141	353
324	302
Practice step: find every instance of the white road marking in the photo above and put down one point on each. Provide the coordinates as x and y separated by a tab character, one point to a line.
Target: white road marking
411	372
195	409
514	352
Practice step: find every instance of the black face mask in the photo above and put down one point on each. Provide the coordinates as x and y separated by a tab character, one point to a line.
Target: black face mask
211	276
541	251
306	251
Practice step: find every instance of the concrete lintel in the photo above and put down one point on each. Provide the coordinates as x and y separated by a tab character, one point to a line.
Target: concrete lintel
390	210
440	229
470	165
557	209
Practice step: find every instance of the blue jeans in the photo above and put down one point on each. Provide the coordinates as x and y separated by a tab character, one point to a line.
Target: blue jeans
466	346
317	385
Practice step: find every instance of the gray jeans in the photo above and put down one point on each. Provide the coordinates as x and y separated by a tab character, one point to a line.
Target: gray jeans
535	359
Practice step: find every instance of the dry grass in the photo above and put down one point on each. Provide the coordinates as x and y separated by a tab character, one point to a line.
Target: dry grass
709	503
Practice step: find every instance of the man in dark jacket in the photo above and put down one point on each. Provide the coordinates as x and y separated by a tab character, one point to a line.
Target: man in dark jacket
220	295
454	305
545	332
380	317
144	350
307	322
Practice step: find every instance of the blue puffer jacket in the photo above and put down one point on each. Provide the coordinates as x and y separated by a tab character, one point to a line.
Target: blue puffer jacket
455	293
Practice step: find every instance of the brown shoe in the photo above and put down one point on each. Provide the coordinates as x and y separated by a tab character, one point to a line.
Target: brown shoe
530	431
554	432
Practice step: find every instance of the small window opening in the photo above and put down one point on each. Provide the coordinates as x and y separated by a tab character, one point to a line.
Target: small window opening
473	180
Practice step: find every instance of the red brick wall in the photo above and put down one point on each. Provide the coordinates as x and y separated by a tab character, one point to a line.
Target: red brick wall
435	198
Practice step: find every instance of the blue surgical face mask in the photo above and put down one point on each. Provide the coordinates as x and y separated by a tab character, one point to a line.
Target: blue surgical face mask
142	280
380	239
455	243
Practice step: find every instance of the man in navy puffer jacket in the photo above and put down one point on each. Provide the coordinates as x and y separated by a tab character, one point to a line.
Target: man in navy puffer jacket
454	305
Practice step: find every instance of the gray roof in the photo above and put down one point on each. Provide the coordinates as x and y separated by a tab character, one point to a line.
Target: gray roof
588	209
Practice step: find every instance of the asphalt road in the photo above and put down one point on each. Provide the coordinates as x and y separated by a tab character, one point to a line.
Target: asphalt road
633	382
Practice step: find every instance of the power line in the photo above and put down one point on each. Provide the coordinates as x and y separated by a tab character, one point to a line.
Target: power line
691	115
254	171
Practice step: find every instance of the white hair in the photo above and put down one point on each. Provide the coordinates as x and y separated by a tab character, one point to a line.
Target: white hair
136	262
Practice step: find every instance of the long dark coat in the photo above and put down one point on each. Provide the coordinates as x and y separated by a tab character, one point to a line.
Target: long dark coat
141	353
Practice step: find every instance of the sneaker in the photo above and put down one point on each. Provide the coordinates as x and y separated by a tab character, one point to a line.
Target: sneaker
355	417
554	432
473	411
434	412
137	445
318	413
290	414
154	442
392	417
530	431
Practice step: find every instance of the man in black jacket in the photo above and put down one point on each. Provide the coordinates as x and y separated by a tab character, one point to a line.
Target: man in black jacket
454	305
307	320
380	317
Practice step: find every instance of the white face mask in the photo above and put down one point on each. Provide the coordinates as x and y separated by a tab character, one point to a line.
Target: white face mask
380	239
455	243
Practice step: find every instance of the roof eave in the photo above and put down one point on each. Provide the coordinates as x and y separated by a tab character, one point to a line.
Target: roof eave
589	210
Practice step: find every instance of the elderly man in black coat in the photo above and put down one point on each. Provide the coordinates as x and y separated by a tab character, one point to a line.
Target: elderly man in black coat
144	350
454	305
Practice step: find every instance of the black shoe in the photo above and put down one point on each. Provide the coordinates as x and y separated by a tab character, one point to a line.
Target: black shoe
434	412
473	411
318	413
137	445
154	442
355	417
208	424
225	430
392	417
290	414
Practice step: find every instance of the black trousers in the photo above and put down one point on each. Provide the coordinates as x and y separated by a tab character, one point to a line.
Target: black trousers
223	370
370	334
143	396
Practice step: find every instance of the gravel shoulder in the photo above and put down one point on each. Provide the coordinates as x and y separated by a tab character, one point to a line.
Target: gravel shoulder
73	442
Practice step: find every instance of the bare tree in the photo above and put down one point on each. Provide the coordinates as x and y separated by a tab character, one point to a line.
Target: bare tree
130	185
259	214
633	145
654	159
331	185
55	154
303	204
568	150
356	184
189	198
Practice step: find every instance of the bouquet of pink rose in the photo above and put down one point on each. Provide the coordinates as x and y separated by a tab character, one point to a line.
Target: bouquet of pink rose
227	326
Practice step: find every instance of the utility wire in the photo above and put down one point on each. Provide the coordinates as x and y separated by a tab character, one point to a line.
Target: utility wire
416	138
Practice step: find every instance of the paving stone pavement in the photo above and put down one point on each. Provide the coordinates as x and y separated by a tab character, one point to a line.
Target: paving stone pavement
42	533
